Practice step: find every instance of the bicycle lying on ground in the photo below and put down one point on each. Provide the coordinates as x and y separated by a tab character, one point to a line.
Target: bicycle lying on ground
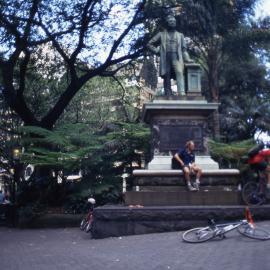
245	227
87	221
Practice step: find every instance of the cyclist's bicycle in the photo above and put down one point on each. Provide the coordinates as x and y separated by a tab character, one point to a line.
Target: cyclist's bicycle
245	227
254	192
87	221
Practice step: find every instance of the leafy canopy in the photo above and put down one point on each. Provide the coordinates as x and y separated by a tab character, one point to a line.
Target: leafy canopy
84	38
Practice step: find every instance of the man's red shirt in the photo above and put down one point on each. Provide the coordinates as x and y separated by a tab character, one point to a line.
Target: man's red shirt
261	156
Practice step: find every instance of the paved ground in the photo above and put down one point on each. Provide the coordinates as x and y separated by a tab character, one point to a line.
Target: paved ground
72	249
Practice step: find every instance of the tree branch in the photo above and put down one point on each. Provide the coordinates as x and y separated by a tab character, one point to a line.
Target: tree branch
10	27
29	23
23	70
85	20
122	97
52	38
111	73
122	36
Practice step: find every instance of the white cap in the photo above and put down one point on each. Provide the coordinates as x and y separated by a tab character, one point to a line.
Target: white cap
92	200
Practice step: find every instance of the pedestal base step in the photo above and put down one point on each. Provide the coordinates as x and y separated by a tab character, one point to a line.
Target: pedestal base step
203	188
202	197
120	220
176	178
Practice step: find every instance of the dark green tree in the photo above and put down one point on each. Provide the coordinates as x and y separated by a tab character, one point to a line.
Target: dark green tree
222	31
245	108
102	155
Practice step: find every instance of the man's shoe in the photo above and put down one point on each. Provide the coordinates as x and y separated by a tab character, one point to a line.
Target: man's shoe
197	185
191	188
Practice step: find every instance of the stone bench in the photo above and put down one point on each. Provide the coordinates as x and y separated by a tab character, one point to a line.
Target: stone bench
221	177
206	172
168	187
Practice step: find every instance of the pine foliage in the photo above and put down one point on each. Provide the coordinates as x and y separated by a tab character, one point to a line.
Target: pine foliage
62	148
231	154
66	146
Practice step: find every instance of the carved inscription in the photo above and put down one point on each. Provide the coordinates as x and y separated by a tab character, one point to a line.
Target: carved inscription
174	137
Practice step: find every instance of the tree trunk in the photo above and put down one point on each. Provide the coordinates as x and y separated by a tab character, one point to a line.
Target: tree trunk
213	78
216	122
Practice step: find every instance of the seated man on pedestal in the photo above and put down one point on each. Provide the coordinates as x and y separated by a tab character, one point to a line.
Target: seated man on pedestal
185	160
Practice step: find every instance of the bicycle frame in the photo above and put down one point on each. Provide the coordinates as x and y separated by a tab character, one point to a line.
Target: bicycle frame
86	223
222	229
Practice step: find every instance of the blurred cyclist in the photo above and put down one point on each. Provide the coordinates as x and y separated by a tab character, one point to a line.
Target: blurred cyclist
261	162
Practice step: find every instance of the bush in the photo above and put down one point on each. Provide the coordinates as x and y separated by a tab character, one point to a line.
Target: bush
27	214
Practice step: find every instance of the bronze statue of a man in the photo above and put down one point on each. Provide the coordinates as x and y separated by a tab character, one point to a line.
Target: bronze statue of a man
171	46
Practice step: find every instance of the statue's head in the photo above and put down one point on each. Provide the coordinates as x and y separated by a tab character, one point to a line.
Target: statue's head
170	21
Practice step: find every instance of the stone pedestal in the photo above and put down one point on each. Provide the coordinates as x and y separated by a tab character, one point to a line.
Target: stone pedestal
173	122
168	187
164	163
115	221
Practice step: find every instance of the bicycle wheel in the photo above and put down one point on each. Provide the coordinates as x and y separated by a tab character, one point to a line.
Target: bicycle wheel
88	227
254	233
198	235
83	224
251	194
